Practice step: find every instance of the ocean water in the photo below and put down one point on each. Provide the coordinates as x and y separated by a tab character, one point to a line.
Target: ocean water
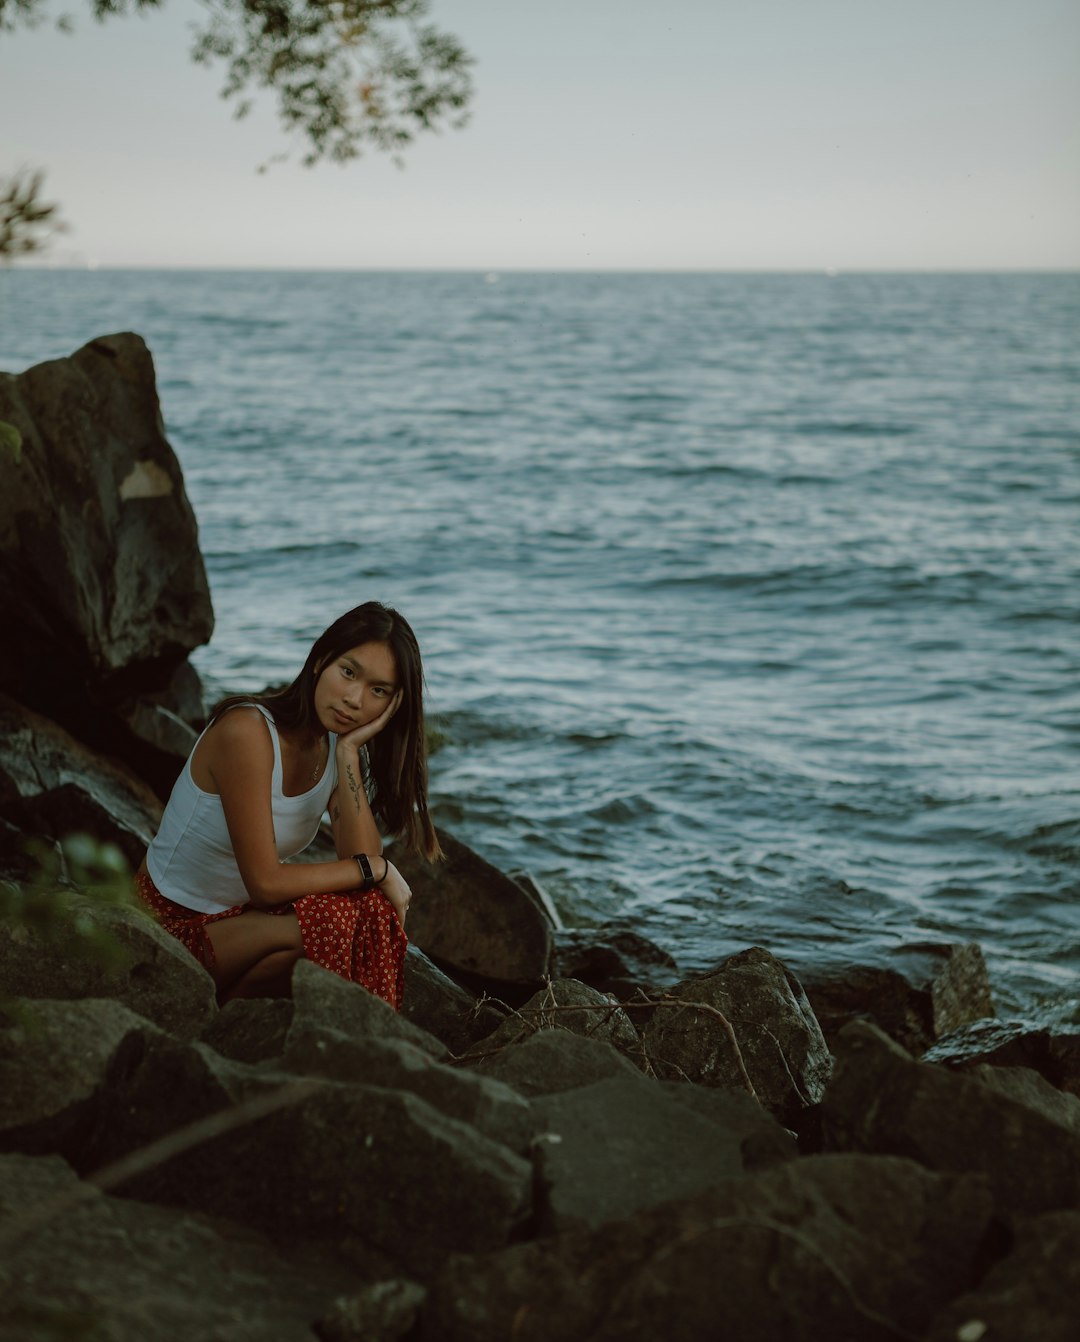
750	604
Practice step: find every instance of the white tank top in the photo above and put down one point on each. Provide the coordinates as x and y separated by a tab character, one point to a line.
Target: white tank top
191	860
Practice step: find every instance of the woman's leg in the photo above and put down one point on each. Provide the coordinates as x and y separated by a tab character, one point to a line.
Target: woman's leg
254	954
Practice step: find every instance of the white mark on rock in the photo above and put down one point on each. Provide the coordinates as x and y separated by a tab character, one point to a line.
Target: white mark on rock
145	480
971	1331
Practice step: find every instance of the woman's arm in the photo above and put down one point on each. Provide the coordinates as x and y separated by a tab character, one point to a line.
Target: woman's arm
240	758
355	830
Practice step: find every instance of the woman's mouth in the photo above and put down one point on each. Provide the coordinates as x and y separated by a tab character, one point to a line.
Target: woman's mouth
342	720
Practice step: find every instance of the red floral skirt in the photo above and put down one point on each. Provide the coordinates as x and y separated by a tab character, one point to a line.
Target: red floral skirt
354	934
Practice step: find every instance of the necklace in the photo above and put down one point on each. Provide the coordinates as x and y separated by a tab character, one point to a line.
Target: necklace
319	762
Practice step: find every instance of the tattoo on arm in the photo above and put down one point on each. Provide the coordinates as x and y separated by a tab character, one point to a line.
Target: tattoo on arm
354	788
335	813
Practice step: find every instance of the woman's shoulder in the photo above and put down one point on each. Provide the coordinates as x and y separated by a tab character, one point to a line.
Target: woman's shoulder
241	727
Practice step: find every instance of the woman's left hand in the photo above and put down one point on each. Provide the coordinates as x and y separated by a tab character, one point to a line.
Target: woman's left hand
360	736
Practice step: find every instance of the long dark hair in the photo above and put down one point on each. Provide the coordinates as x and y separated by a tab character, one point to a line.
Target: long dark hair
397	756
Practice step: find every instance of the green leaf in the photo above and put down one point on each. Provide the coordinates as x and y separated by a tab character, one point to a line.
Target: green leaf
11	441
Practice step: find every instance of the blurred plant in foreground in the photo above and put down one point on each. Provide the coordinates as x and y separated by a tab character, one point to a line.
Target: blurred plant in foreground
26	222
56	903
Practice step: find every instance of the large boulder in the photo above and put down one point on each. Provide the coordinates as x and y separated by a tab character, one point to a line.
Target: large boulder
467	915
1006	1124
925	991
52	785
75	1263
132	960
624	1144
858	1247
54	1062
323	1000
778	1037
316	1159
103	591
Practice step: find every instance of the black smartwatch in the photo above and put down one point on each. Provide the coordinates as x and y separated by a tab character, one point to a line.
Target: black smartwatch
368	876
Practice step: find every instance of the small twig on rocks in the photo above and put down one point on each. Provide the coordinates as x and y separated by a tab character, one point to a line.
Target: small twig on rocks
21	1227
660	1002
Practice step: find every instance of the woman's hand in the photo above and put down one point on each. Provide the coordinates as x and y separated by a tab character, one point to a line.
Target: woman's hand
396	889
360	736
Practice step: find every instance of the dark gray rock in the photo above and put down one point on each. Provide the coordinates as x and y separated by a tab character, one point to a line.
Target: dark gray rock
101	579
538	895
614	958
924	991
849	1247
551	1061
469	916
437	1004
1032	1295
75	1263
1007	1124
764	1142
782	1047
315	1159
53	785
478	1101
621	1145
553	1008
251	1029
146	969
54	1062
322	1000
1054	1055
18	864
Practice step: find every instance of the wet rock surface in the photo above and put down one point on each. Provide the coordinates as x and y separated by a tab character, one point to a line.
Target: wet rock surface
1055	1055
614	958
775	1032
923	993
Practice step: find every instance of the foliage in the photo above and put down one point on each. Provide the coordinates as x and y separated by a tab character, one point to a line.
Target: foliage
52	902
346	73
11	442
25	220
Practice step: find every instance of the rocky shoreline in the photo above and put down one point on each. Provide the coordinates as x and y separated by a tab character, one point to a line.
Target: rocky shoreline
560	1137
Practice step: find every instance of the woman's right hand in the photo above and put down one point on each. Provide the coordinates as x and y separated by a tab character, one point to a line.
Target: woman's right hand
396	889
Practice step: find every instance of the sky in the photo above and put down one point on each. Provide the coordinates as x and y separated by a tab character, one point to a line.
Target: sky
605	135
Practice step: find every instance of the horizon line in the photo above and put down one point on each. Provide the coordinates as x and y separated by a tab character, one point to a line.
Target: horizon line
827	271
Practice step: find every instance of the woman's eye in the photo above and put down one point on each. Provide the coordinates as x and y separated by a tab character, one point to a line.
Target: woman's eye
346	671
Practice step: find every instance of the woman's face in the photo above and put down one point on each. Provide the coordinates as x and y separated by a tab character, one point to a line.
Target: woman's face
355	687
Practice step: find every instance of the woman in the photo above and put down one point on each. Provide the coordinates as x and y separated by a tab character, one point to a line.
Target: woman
254	791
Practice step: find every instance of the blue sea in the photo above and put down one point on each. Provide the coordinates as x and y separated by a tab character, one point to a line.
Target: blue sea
750	604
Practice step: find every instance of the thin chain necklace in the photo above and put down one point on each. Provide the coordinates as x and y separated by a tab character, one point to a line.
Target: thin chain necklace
320	761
